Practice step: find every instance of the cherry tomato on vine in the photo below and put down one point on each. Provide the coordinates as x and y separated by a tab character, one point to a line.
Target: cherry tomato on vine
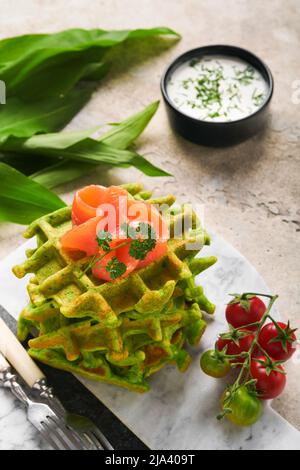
245	407
237	346
270	377
214	365
243	310
279	342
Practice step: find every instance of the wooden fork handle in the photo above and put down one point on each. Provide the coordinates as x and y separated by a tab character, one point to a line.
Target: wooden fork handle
4	365
17	356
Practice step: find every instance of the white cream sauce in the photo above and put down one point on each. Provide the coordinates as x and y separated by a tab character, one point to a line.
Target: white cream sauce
217	88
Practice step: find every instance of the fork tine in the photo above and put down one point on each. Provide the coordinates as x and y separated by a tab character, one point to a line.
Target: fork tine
91	438
48	438
97	445
96	442
88	442
101	437
59	438
68	434
80	435
74	437
51	434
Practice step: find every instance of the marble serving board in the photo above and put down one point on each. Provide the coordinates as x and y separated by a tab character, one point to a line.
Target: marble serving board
179	411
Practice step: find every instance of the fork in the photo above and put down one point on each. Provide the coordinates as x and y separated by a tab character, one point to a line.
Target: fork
62	430
81	424
39	414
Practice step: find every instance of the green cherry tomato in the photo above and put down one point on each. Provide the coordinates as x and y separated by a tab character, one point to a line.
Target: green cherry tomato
214	365
245	407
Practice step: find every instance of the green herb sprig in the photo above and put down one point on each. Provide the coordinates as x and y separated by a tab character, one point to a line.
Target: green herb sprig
115	268
142	240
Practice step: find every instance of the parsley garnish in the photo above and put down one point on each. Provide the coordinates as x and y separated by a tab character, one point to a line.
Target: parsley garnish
115	268
103	239
140	247
142	240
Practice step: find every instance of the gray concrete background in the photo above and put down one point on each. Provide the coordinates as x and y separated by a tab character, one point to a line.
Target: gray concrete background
250	192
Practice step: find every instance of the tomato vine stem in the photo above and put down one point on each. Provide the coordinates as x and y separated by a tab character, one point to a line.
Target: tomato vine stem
244	373
255	340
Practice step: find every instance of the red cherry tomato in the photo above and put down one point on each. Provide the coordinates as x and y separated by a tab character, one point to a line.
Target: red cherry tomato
242	312
270	383
234	349
280	346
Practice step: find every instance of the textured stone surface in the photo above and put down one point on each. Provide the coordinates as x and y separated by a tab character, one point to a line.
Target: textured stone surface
250	192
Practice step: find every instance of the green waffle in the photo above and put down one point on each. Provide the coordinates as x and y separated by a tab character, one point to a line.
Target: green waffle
118	332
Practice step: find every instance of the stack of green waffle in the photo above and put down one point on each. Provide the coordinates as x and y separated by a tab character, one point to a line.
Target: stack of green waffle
118	332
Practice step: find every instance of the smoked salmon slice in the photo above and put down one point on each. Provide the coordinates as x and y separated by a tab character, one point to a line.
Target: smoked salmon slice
93	200
89	199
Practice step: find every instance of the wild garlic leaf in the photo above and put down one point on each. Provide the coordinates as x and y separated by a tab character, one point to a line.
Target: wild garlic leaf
37	65
41	73
86	150
24	119
23	200
120	136
37	70
124	133
61	172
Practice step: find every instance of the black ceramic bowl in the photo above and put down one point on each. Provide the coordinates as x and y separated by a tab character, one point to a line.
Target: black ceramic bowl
212	133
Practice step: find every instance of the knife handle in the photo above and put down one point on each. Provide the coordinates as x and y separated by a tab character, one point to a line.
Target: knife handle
18	357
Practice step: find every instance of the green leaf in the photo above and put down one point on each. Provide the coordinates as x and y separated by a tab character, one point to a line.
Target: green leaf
122	135
25	119
17	48
54	79
126	132
70	146
38	69
53	141
39	65
23	200
40	72
61	172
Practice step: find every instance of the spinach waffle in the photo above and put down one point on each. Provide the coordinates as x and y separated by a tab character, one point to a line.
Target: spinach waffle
117	332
